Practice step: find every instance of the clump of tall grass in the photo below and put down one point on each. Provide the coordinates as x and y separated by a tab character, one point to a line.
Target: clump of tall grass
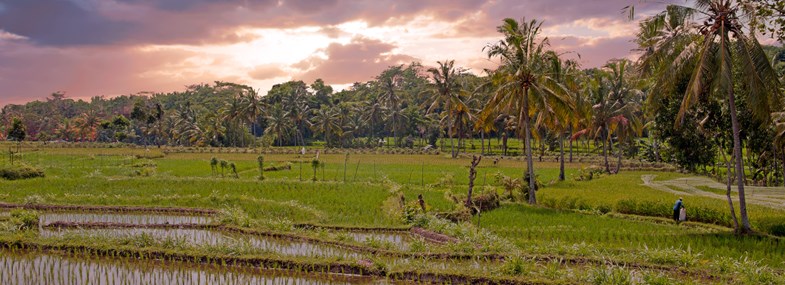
747	270
34	199
672	256
20	171
446	180
234	216
515	266
21	220
611	275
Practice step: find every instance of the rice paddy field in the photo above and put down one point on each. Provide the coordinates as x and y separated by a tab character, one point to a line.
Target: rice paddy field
124	215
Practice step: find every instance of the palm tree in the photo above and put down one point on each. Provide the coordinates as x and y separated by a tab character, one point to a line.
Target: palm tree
389	82
523	79
564	73
446	90
278	123
373	112
296	108
464	117
326	122
716	46
615	109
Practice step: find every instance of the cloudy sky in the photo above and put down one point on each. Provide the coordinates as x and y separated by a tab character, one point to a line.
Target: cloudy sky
111	47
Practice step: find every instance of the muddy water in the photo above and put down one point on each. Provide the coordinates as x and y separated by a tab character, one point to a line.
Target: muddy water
140	219
30	268
207	237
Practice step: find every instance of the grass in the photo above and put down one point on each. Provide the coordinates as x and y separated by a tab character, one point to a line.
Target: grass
573	226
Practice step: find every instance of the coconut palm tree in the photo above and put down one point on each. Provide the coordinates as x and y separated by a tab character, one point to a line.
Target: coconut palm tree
326	122
372	113
523	79
717	45
446	90
278	123
616	107
564	72
389	84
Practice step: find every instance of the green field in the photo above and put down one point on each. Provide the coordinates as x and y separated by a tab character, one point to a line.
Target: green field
609	230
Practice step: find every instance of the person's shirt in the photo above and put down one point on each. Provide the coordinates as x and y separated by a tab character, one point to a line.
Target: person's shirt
677	206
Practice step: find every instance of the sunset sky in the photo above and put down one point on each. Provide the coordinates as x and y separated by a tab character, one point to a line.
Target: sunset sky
112	47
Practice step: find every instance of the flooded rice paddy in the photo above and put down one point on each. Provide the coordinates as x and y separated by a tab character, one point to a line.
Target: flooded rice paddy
199	237
139	219
399	240
22	268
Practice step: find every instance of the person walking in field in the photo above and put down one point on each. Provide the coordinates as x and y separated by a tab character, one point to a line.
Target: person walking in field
677	209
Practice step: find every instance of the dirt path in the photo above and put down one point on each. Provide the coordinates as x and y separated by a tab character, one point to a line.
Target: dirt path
773	197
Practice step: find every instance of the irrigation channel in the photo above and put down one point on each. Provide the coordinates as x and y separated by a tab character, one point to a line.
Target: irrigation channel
352	249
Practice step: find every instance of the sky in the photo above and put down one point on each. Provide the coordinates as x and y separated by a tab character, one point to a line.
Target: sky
89	48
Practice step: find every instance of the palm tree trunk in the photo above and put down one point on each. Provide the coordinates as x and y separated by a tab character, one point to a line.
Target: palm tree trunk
570	144
745	222
490	152
605	149
618	164
728	191
561	158
449	130
528	147
482	143
783	167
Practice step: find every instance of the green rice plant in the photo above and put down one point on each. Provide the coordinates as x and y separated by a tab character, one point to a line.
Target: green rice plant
515	266
417	245
379	243
610	275
656	278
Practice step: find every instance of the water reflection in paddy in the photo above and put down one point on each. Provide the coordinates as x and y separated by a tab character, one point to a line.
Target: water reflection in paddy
140	219
207	237
29	268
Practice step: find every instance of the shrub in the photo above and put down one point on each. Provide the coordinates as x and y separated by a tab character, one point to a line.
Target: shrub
20	172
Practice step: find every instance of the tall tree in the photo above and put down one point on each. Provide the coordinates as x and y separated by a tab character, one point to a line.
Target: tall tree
523	79
445	90
326	122
719	47
389	83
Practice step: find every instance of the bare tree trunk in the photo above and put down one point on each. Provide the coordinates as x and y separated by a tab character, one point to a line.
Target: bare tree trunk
745	222
472	176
